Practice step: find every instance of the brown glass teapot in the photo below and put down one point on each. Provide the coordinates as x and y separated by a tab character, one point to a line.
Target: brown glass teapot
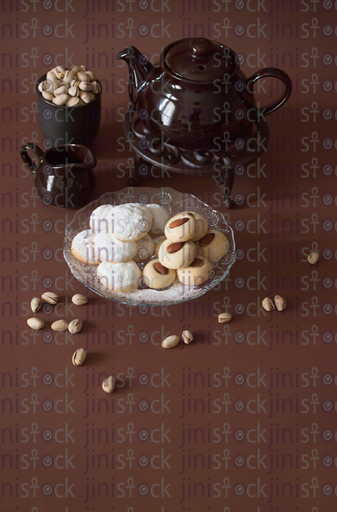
197	97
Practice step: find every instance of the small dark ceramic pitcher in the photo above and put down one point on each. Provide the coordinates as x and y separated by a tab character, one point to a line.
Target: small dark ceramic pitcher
64	174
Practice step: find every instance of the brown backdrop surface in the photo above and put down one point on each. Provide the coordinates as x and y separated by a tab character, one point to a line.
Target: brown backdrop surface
172	436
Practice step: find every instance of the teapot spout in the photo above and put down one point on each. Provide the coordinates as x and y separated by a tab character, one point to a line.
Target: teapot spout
140	70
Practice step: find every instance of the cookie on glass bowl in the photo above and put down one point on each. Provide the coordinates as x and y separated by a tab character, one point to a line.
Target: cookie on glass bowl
101	219
156	276
131	222
119	277
197	273
176	255
108	248
82	249
144	249
213	246
181	227
160	219
159	242
201	226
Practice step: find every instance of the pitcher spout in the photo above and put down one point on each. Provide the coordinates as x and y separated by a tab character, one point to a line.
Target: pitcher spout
140	70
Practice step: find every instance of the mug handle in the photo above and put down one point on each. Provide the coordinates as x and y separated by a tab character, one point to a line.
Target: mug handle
271	73
26	158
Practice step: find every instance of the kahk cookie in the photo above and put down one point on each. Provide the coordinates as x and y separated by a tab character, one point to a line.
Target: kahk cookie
108	248
197	273
177	254
213	246
119	277
201	225
160	218
157	276
130	222
101	219
181	227
81	247
144	249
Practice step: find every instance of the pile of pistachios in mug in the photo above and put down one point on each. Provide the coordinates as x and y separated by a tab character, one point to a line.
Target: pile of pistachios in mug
72	87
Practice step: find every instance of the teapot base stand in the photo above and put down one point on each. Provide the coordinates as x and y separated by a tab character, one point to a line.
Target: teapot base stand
221	165
225	183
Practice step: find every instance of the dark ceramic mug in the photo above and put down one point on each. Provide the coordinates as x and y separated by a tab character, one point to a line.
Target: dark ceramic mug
64	174
61	124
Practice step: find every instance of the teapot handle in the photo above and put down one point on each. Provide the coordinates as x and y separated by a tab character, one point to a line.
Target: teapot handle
26	158
271	73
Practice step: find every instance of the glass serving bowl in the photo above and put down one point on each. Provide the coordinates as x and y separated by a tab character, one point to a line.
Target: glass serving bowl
173	202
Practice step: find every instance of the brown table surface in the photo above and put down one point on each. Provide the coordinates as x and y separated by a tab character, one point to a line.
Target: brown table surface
191	450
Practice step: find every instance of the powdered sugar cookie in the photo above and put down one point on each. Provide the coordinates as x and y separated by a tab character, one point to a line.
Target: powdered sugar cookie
81	247
160	218
108	248
145	248
130	222
119	277
157	276
101	220
147	211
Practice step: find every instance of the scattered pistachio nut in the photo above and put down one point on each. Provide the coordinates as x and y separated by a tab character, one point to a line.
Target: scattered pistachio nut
108	385
280	303
187	337
313	258
35	323
268	304
223	318
78	299
79	357
170	341
35	304
59	325
50	297
75	326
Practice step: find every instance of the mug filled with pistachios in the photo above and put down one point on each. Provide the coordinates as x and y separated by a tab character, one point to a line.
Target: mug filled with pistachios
69	105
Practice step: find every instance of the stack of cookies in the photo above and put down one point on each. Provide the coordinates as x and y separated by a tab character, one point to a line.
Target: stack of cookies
120	237
187	251
123	237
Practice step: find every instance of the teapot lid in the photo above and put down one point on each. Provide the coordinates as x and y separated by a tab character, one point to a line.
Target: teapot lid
199	59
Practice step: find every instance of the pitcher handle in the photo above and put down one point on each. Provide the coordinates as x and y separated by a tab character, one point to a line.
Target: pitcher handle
270	73
26	158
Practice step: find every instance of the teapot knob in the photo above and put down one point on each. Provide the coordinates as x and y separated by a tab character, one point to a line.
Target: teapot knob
200	48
